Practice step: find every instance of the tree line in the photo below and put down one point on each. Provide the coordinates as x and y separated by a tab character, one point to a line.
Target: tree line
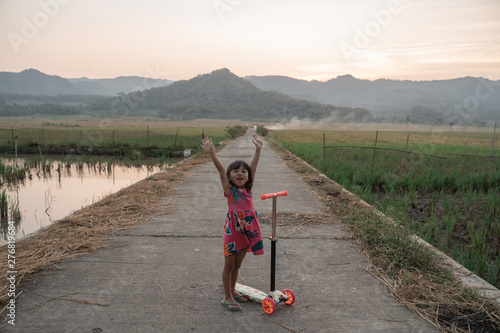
15	110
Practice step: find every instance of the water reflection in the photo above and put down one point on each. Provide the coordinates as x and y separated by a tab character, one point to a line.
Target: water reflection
47	191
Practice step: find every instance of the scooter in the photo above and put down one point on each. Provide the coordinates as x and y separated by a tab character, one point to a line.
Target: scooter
273	298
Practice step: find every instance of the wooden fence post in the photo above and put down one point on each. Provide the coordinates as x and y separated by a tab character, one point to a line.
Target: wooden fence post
492	145
147	143
323	163
175	141
15	149
374	150
12	133
407	140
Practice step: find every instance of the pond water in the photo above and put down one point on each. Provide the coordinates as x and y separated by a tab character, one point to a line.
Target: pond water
57	189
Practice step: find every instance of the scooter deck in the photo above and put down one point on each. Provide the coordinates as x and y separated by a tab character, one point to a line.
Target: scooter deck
252	293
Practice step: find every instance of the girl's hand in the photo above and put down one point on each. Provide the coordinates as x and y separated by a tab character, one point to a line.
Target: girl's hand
257	142
207	145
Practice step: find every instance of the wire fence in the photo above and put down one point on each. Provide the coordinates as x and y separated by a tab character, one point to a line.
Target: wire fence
468	162
173	138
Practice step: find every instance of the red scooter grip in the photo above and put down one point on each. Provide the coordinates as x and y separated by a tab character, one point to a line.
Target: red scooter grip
272	195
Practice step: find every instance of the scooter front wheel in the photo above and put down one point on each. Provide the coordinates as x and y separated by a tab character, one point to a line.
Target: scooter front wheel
290	295
269	305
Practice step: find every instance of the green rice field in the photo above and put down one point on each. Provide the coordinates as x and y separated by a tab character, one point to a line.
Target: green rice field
451	201
166	135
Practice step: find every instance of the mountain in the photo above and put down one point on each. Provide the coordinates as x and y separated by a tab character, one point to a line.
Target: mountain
34	82
222	94
466	100
119	85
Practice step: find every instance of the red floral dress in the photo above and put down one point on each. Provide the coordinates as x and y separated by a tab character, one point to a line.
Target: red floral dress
241	229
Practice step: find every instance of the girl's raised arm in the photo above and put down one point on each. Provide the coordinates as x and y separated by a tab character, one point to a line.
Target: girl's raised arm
207	145
255	160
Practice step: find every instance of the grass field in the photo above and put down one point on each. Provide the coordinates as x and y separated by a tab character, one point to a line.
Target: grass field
450	201
92	132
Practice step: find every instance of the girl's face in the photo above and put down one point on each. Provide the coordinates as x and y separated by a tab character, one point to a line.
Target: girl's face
239	177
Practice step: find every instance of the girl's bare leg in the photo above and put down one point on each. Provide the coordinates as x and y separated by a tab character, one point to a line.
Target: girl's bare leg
234	275
229	264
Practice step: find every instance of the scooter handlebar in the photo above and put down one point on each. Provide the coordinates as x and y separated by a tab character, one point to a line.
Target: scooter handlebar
273	195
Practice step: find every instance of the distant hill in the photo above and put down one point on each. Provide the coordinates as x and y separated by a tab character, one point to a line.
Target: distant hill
119	85
34	82
464	100
222	94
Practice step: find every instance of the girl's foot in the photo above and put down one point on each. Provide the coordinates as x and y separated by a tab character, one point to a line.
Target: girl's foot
240	298
231	305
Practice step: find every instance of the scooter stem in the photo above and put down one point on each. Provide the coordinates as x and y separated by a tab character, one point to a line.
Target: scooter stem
273	247
273	234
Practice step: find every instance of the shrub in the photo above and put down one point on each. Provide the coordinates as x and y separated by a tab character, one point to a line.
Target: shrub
262	131
235	131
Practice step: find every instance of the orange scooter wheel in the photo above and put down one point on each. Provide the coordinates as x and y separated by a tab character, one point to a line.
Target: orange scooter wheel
269	305
290	295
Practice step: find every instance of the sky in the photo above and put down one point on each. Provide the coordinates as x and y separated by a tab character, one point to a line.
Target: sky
310	40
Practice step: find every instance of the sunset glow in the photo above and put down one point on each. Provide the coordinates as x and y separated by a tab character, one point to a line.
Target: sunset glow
315	39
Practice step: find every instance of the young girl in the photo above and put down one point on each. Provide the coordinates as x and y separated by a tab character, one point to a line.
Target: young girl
241	230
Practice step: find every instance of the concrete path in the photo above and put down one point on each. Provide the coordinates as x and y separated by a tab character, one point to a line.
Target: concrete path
165	276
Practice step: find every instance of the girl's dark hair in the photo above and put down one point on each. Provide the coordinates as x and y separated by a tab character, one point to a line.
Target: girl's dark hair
236	165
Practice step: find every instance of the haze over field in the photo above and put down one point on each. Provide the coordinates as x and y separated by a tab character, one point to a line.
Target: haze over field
314	39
